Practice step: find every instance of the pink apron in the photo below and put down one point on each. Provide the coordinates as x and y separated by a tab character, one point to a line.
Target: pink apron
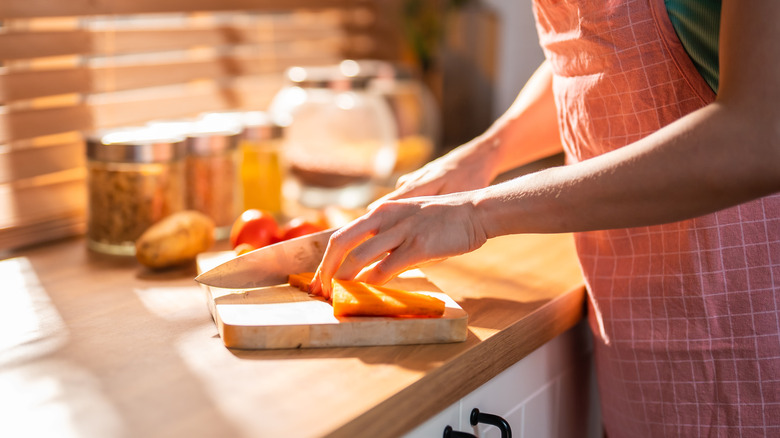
685	315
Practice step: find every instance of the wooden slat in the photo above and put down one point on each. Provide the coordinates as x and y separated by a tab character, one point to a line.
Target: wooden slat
60	8
256	92
181	101
140	106
21	45
33	162
26	45
24	204
32	84
33	123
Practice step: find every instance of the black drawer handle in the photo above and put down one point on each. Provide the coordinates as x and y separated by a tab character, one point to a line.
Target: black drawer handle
494	420
480	417
449	433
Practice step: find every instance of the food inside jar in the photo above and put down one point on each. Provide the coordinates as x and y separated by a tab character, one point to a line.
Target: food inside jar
125	199
211	187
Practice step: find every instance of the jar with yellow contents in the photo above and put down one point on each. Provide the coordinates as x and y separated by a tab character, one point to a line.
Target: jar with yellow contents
260	169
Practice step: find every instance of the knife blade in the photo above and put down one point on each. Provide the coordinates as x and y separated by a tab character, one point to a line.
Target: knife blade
269	265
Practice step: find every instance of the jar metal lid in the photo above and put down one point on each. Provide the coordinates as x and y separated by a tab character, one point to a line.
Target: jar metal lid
214	133
259	126
212	143
313	76
135	145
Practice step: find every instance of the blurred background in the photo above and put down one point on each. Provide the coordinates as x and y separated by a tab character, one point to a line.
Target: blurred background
74	73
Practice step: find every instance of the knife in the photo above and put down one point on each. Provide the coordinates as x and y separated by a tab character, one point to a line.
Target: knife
270	265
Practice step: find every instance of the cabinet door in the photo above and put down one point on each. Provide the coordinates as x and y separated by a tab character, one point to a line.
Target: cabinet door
550	393
547	394
434	427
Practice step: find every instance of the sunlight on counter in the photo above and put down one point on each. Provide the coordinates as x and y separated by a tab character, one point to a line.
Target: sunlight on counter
174	303
55	398
29	324
41	394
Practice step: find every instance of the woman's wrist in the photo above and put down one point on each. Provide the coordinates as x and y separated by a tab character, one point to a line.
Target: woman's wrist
489	215
484	155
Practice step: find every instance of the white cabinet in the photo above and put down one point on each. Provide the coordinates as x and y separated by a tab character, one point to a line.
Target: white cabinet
550	393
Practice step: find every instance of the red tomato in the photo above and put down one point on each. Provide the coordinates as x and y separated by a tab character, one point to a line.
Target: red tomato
243	248
299	227
254	227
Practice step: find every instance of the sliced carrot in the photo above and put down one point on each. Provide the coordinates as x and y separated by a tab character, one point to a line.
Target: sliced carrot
301	281
355	298
361	299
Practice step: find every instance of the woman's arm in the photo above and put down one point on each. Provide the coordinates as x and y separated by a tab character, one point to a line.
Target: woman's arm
725	154
722	155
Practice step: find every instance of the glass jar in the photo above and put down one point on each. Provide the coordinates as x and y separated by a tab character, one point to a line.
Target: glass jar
340	142
212	169
135	178
261	173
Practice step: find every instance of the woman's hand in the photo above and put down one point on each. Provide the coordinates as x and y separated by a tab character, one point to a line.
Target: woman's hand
468	167
406	232
526	132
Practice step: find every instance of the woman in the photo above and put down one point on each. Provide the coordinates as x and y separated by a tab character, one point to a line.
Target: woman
670	188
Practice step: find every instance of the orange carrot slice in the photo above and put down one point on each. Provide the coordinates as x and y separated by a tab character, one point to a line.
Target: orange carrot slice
355	298
301	281
361	299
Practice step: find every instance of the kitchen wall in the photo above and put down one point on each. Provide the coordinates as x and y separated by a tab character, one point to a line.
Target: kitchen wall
519	53
489	50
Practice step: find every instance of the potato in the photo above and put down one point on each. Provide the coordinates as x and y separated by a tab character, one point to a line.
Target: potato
175	240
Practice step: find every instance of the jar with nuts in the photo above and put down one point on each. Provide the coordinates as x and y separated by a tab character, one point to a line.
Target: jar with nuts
135	178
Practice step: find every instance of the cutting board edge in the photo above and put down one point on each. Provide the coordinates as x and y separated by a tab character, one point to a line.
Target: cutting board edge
241	337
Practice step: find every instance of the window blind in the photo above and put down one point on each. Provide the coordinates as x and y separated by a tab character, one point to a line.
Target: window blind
68	67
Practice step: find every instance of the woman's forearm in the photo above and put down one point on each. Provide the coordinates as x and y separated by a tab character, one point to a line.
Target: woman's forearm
714	158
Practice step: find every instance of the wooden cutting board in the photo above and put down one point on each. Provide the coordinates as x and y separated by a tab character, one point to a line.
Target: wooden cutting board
284	317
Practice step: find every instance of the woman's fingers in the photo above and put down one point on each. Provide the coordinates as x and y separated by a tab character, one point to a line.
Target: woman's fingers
315	287
396	262
339	245
368	251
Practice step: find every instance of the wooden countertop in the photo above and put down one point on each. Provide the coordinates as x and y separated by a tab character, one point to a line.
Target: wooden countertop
95	346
